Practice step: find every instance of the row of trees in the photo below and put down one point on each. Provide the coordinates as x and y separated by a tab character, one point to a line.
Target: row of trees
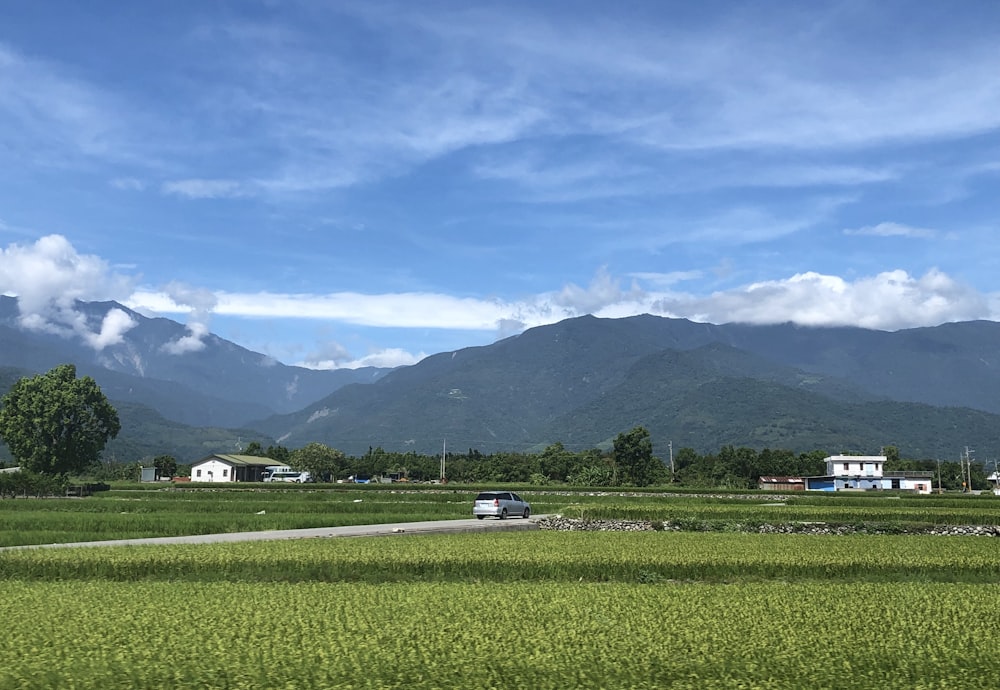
57	424
630	462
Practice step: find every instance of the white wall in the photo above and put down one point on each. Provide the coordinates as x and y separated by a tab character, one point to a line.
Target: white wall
924	485
855	465
212	471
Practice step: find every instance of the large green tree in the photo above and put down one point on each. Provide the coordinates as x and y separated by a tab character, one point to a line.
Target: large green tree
56	423
633	455
321	461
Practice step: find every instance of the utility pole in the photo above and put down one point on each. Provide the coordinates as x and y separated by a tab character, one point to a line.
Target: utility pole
444	454
968	467
670	445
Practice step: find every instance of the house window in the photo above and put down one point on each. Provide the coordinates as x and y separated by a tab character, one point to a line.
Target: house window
198	473
847	466
225	473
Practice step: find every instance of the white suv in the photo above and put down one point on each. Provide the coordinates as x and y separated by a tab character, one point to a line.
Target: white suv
500	504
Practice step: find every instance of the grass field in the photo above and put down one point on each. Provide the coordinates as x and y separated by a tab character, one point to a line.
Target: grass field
123	514
127	514
718	609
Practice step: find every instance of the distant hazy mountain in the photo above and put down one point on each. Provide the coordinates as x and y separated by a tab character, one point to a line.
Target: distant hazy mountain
930	391
222	384
582	381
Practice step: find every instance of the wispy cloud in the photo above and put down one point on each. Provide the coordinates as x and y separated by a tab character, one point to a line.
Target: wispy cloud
293	115
128	184
888	300
50	117
889	229
205	189
199	304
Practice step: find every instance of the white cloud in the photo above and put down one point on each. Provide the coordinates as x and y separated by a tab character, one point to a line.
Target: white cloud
329	355
891	230
888	301
205	189
667	279
198	303
113	328
49	277
401	310
389	357
603	291
192	342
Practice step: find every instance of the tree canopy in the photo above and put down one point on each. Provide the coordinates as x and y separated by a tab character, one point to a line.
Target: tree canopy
56	423
321	461
633	454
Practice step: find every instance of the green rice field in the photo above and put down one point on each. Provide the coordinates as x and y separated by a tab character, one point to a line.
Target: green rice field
535	609
128	514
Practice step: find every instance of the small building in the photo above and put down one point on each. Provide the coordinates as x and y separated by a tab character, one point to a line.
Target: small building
867	473
994	481
769	483
223	467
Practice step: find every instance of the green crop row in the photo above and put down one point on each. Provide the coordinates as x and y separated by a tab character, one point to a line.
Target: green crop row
502	557
518	635
780	512
132	514
126	515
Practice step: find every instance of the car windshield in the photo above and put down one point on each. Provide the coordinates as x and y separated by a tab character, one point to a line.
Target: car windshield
487	496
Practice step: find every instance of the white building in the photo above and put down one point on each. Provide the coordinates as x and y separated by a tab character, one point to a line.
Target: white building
867	473
994	480
230	468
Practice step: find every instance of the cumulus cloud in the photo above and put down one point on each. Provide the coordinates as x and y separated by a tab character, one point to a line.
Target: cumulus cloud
887	301
891	230
113	328
388	358
604	290
329	355
49	277
199	304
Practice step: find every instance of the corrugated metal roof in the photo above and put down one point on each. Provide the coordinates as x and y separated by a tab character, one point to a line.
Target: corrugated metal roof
245	460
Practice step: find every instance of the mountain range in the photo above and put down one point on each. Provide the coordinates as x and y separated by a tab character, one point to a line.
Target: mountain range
928	391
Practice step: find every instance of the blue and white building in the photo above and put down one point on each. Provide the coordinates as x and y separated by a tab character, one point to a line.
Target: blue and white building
867	473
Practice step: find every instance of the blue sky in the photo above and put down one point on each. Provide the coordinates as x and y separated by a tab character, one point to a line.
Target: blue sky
346	183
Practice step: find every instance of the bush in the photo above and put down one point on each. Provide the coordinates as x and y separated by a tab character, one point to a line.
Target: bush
25	483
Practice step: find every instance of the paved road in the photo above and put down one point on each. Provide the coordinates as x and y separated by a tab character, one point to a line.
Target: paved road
430	527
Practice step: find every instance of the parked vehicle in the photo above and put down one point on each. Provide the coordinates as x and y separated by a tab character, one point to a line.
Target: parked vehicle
289	476
500	504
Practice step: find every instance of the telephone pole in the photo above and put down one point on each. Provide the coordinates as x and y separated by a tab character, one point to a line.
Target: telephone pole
444	454
968	469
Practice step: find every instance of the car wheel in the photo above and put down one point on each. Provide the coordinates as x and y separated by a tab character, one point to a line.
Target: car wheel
503	514
480	517
527	512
